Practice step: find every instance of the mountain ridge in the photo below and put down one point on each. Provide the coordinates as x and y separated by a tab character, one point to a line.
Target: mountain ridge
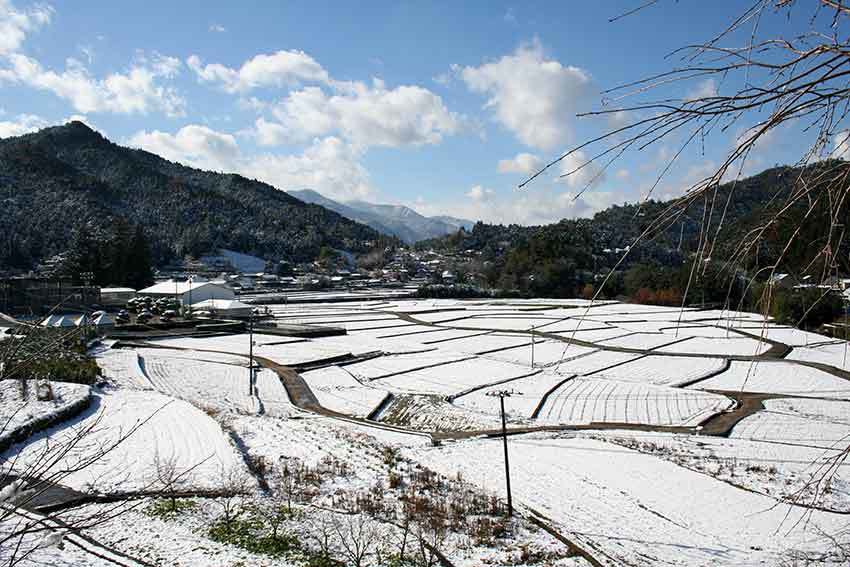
398	220
60	178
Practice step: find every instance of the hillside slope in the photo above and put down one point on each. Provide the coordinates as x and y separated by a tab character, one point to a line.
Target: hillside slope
68	176
670	233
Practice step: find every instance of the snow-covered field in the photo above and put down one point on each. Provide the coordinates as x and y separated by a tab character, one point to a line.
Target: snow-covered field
636	509
338	390
215	386
606	444
665	370
777	377
643	341
135	429
20	406
835	354
520	406
240	344
815	423
454	377
716	346
588	400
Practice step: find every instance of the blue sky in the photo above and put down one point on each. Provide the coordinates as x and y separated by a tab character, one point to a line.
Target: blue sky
443	106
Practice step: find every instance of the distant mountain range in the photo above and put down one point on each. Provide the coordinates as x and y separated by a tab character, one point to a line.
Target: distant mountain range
61	179
396	220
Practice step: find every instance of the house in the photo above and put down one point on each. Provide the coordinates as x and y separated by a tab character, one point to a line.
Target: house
188	292
63	321
227	308
781	281
116	296
101	319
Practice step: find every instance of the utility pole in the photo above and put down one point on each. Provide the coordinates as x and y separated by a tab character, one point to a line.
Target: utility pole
251	354
502	394
189	282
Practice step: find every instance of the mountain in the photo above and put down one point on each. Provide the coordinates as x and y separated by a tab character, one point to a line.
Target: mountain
564	256
460	223
398	220
62	178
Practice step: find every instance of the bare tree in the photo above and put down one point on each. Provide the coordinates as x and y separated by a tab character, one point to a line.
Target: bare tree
758	85
320	531
49	459
431	535
25	480
359	537
235	484
276	506
169	478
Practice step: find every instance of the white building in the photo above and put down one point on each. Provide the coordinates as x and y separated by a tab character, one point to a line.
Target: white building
115	296
223	307
188	292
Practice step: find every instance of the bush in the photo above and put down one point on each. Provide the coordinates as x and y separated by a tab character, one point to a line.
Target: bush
808	308
249	534
169	508
62	369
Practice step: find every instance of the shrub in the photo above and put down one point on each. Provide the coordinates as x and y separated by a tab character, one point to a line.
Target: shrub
169	508
249	534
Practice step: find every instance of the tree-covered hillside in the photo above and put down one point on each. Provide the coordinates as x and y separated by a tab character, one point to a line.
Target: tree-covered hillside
736	224
59	179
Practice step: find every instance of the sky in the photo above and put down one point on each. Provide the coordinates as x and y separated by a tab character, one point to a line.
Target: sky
442	106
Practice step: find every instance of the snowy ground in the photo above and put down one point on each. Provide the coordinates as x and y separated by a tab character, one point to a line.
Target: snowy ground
636	509
835	354
338	390
588	400
635	496
777	378
20	407
780	468
137	428
455	377
665	370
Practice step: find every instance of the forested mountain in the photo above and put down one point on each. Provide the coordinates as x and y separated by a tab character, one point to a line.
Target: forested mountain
562	257
397	220
60	179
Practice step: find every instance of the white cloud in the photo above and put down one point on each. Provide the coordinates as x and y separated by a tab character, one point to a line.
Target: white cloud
328	165
841	145
479	193
619	119
136	91
524	163
16	24
580	175
704	89
268	133
365	115
534	97
217	28
537	205
264	70
194	145
21	124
